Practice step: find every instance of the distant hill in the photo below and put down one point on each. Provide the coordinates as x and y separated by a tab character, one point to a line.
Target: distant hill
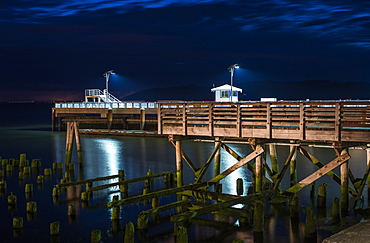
313	90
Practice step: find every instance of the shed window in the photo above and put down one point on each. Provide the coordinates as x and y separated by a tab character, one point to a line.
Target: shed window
224	93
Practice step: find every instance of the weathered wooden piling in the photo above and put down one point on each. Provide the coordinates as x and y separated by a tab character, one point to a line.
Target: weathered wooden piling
59	165
69	142
116	212
4	162
9	167
56	192
1	174
15	163
179	165
31	207
71	210
27	170
217	158
344	199
239	186
22	160
55	228
67	176
3	185
321	196
310	230
17	222
20	176
259	173
294	206
142	221
293	167
40	179
149	181
47	172
28	188
12	199
259	216
129	233
85	196
182	235
273	159
36	163
71	167
336	211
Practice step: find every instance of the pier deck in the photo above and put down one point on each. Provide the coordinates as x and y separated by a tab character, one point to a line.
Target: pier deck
347	121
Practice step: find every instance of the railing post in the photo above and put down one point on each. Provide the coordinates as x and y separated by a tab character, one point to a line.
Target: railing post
210	120
238	122
302	124
268	121
184	120
337	127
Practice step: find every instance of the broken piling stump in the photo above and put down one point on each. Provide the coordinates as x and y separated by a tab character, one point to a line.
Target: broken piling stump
17	222
54	228
95	236
310	230
129	233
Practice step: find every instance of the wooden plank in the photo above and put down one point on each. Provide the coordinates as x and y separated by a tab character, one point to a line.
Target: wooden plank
215	207
237	165
331	174
317	174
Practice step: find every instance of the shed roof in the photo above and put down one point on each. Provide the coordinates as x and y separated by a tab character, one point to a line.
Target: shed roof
226	87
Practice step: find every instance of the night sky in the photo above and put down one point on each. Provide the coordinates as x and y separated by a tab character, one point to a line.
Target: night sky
54	50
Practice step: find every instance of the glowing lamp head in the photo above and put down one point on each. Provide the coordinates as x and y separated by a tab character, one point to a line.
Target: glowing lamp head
233	66
107	73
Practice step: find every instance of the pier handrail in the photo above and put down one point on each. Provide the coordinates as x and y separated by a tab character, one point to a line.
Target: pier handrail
127	104
301	120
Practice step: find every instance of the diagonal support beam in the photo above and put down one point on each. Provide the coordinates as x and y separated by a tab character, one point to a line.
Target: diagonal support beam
286	165
215	207
200	173
331	174
239	164
317	174
157	194
186	158
235	155
362	184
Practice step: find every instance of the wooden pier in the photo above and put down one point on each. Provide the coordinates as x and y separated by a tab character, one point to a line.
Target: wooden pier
305	121
341	125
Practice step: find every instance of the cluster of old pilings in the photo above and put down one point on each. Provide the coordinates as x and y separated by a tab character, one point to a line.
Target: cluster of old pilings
268	176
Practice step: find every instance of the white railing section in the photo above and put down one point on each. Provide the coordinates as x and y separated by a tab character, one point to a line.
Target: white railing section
96	95
140	105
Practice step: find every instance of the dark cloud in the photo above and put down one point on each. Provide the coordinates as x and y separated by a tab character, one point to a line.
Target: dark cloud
67	45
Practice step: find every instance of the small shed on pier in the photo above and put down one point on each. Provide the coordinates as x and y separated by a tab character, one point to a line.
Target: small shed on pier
226	93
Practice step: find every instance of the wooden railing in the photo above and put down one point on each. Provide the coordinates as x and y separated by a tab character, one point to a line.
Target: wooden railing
314	121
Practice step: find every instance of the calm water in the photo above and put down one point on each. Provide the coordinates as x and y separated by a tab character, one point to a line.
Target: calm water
25	128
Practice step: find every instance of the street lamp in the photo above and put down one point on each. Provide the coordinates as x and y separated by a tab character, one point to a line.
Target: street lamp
231	69
106	75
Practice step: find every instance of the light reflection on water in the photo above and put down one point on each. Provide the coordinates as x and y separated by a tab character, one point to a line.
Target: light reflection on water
104	156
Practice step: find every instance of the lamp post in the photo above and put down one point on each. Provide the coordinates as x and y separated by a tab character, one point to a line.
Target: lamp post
231	69
106	75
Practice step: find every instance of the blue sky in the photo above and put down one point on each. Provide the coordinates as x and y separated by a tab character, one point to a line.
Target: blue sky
56	49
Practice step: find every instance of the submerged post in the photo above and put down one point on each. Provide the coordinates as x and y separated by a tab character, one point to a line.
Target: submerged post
216	159
259	173
293	167
179	165
344	200
69	142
